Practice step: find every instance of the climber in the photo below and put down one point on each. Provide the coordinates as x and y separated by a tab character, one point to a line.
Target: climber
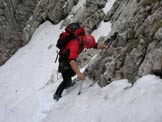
67	61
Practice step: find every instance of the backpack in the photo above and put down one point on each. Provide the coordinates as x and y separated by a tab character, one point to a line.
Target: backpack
72	31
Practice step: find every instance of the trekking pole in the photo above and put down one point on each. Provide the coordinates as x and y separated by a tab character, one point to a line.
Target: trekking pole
81	85
80	88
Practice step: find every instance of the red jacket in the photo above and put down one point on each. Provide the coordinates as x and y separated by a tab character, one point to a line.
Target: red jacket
75	47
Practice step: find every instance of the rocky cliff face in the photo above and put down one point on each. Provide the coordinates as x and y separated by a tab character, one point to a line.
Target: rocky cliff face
138	47
13	17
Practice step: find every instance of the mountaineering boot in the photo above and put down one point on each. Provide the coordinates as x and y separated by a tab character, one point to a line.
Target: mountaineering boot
56	97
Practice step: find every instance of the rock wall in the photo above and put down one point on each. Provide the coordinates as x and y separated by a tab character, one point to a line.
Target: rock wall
138	49
52	10
13	17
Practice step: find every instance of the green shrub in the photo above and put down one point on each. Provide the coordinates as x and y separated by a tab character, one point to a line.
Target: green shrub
156	26
131	77
147	2
132	44
138	1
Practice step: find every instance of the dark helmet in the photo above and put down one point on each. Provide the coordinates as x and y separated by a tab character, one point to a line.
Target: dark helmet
89	41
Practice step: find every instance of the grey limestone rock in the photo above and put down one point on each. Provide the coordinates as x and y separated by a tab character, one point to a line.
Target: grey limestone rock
13	17
138	49
158	34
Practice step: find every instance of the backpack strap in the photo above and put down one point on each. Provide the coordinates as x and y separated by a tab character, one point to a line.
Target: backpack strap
80	41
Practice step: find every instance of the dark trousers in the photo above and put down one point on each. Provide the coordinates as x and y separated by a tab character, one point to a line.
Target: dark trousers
67	81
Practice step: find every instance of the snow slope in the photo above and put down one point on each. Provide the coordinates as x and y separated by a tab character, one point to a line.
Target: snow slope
29	79
25	77
117	102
